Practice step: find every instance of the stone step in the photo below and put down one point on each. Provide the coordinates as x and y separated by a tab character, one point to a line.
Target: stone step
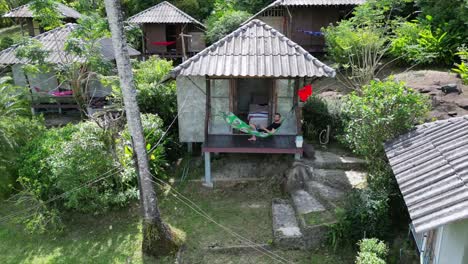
327	195
306	203
340	179
286	231
329	160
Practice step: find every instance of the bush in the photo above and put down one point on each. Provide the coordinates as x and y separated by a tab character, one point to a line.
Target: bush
371	251
153	96
224	22
152	128
6	42
365	213
462	67
448	16
383	111
317	116
17	127
417	42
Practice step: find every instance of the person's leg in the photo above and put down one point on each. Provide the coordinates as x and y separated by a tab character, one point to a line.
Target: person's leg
254	127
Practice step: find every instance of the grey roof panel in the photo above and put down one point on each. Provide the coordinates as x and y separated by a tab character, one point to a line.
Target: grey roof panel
317	2
254	50
163	13
25	11
430	164
54	42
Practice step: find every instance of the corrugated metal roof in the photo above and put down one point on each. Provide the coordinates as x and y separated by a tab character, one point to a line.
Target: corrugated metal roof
255	50
317	2
163	13
54	42
25	12
304	3
431	167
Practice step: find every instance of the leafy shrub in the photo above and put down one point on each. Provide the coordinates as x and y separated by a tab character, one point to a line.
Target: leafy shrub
17	127
366	213
417	42
371	251
448	16
152	128
383	111
462	67
317	116
6	42
224	22
153	96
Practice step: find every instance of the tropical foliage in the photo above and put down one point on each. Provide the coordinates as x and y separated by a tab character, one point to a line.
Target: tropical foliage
371	251
462	67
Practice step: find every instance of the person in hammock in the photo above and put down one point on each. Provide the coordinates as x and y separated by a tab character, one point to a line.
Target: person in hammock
269	129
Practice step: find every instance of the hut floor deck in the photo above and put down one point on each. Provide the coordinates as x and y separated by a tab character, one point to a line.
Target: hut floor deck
276	144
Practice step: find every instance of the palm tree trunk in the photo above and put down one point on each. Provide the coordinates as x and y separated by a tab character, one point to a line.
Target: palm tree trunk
158	238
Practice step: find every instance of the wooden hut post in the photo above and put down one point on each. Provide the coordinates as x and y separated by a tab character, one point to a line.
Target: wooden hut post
208	182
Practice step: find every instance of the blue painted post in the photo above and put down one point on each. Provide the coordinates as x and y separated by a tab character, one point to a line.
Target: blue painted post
208	182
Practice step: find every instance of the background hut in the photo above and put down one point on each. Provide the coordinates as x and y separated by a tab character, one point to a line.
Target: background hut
169	32
24	16
46	91
302	20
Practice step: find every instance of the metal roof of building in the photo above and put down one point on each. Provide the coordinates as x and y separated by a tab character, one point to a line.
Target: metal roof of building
25	12
305	3
431	167
54	42
163	13
254	50
317	2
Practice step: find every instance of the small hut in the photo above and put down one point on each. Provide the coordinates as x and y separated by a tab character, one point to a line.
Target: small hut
254	72
24	16
302	20
46	91
169	32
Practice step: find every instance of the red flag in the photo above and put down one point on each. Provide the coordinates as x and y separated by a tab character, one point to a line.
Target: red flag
305	92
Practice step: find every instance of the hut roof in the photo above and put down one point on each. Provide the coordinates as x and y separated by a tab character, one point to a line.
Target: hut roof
305	3
255	50
431	167
25	11
54	42
316	2
163	13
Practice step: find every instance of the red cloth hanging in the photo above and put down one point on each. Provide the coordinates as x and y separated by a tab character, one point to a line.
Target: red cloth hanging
305	92
163	43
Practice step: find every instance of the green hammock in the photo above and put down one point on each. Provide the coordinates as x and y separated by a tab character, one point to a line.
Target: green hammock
237	123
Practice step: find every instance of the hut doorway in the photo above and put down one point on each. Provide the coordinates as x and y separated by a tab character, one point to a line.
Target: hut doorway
171	36
254	100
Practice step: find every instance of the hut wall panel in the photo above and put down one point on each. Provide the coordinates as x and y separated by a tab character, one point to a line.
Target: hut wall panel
220	102
153	33
285	101
197	42
276	22
312	19
192	114
19	76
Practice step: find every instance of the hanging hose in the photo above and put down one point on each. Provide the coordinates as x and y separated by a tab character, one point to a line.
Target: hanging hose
325	140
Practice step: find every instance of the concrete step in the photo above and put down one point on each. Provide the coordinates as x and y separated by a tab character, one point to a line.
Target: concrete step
330	160
286	231
327	195
306	203
340	179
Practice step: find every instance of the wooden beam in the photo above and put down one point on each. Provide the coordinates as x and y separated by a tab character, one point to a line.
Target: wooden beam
207	107
298	108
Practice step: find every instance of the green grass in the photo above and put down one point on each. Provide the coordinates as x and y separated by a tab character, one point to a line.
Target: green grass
115	237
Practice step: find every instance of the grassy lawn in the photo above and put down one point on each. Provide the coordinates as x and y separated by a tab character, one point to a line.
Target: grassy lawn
115	237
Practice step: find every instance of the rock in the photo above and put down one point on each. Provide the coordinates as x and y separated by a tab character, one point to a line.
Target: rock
450	88
286	231
463	103
309	151
296	176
